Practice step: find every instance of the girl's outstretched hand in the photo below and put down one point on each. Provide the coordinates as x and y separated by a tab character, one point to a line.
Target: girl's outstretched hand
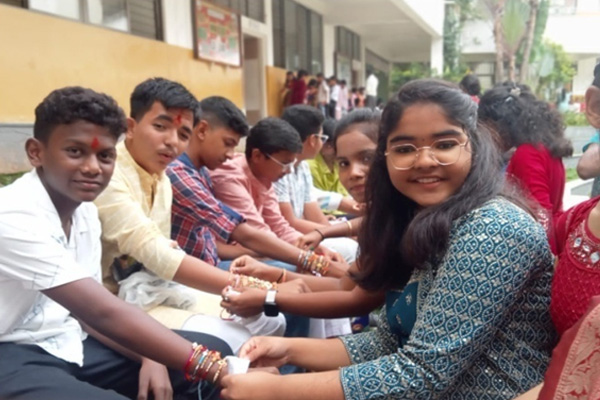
263	351
246	265
309	241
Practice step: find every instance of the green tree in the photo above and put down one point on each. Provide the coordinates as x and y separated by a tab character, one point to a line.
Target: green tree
555	69
514	26
457	13
518	26
403	73
534	6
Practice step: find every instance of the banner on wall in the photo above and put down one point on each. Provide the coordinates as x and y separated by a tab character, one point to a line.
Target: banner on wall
217	36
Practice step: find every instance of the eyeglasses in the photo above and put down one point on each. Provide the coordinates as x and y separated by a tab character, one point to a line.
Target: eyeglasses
442	151
323	138
284	166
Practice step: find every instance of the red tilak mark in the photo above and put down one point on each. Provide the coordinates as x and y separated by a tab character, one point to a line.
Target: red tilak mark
178	119
95	143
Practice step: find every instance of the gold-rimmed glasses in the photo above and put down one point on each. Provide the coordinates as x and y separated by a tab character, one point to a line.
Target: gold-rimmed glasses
442	151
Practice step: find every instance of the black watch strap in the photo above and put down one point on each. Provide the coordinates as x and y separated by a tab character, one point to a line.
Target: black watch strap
270	307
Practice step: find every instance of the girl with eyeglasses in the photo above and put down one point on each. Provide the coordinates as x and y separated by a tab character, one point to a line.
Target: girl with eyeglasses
466	272
536	134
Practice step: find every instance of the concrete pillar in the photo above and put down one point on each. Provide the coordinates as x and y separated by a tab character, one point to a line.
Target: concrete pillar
436	57
328	50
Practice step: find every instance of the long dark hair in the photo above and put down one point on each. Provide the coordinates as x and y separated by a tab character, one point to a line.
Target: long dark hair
518	117
396	236
596	81
369	119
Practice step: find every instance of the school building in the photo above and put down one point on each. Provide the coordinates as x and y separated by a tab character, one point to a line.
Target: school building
571	23
239	49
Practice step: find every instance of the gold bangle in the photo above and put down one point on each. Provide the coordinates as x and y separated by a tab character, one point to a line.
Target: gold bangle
349	228
280	276
221	364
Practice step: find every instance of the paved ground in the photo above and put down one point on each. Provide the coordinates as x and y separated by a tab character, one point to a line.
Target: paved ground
579	136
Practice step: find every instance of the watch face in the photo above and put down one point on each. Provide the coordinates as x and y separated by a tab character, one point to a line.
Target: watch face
271	310
270	307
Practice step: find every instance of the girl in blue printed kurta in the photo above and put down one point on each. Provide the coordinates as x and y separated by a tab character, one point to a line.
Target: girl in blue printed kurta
466	271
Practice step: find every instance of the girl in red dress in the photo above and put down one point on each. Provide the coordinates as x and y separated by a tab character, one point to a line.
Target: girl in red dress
536	132
575	306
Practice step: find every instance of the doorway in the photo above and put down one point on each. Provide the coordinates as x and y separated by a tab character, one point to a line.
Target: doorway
254	79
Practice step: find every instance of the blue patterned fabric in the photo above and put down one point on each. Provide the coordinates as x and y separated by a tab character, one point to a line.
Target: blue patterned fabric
482	328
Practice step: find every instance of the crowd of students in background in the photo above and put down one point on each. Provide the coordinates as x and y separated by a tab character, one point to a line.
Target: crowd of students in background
331	96
443	212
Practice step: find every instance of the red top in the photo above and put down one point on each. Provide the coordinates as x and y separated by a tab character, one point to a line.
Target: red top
298	91
577	275
543	177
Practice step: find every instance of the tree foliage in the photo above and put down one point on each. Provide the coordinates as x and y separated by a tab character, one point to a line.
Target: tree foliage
403	73
554	68
457	14
518	28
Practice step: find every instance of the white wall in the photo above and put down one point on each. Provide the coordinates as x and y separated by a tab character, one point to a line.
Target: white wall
588	6
570	31
427	13
478	37
585	75
575	32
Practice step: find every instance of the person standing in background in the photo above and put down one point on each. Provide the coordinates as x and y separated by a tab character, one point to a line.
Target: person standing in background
286	90
298	88
371	90
322	93
342	100
334	95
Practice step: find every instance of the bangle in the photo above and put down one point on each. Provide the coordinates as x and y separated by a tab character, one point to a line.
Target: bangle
349	228
197	349
194	376
300	257
320	233
186	367
221	364
281	276
215	357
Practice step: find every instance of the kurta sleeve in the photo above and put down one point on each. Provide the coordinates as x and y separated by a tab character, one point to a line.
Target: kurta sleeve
488	266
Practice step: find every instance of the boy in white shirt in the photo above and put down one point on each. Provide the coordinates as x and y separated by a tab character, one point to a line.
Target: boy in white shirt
51	298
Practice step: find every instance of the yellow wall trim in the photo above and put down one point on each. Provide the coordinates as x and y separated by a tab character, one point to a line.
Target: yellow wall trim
41	53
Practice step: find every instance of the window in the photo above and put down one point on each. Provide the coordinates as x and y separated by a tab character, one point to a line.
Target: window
250	8
15	3
139	17
67	8
347	43
109	13
297	37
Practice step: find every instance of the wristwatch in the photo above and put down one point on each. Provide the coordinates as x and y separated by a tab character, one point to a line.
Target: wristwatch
270	308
